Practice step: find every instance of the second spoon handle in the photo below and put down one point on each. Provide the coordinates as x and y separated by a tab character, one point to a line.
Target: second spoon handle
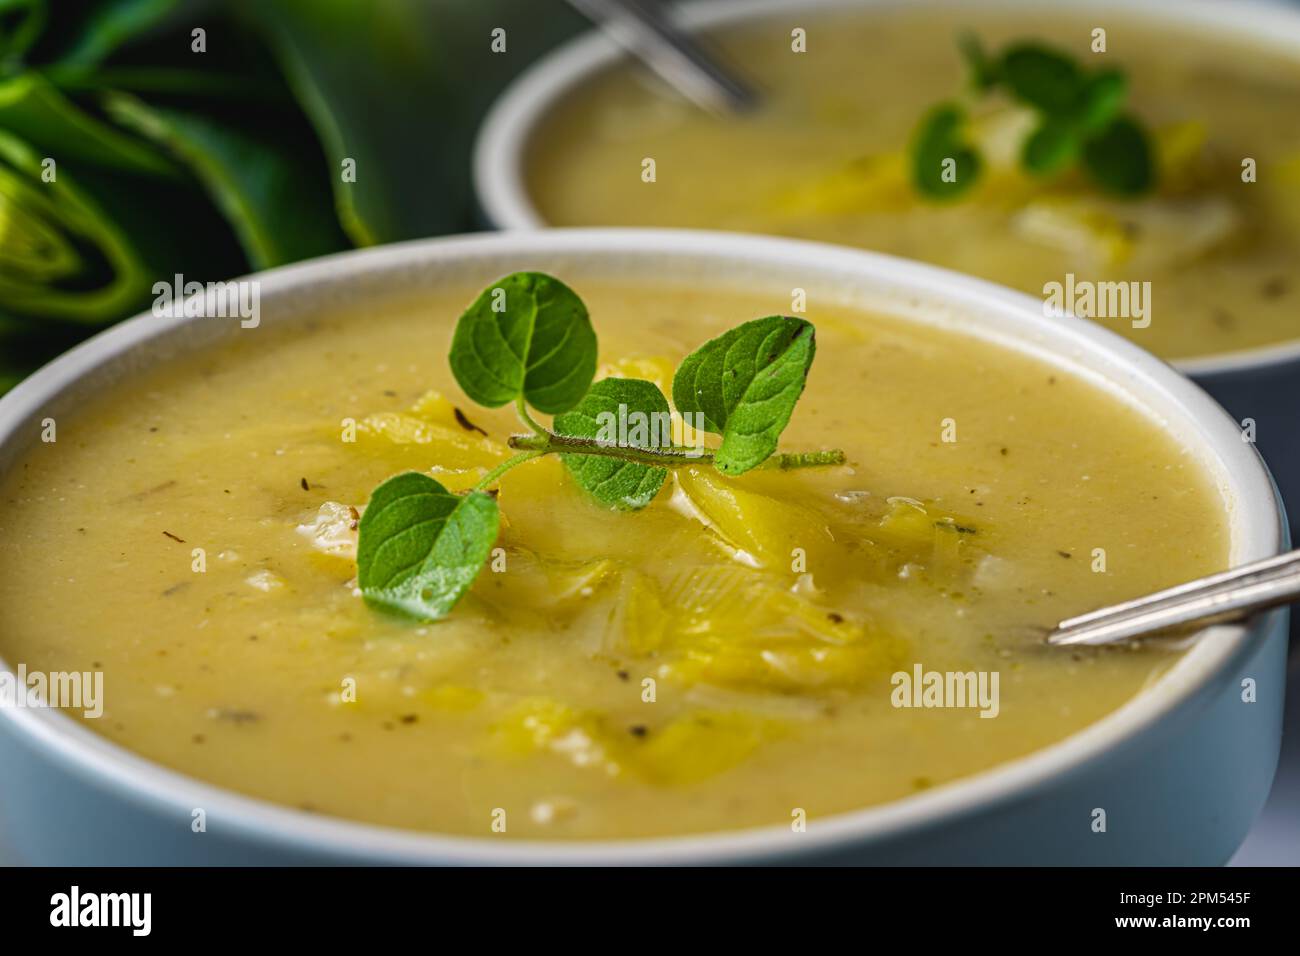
644	29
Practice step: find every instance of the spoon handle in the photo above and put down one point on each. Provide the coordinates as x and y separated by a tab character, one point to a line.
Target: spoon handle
644	30
1227	596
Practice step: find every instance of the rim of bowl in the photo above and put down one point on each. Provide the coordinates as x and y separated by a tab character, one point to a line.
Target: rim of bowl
1010	319
501	144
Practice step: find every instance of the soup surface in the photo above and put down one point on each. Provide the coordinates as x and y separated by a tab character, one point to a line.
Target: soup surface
724	658
826	157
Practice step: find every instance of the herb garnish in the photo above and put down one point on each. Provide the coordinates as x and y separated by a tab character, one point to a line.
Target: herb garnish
1079	121
528	340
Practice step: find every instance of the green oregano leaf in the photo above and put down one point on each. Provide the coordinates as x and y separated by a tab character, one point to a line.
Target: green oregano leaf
1042	77
420	547
625	411
938	149
1050	148
1119	158
984	72
527	334
745	384
1103	95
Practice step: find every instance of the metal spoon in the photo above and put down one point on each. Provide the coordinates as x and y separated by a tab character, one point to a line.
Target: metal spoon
644	30
1227	596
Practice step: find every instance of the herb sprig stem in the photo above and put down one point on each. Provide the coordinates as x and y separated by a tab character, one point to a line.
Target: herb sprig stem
492	476
676	456
521	406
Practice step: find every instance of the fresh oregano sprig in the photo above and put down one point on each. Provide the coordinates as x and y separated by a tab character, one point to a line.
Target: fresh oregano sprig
528	340
1080	122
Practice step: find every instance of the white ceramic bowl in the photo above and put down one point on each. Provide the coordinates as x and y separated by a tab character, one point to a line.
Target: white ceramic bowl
1181	770
1262	384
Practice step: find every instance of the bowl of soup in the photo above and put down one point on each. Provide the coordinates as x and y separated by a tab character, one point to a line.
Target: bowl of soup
1198	267
831	664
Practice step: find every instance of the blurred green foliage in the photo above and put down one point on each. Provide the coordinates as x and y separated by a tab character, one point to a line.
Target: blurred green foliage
130	151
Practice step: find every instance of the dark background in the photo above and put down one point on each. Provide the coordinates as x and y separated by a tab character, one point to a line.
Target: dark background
217	162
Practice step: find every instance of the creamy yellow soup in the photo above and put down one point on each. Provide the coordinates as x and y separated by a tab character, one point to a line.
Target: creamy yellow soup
728	657
826	157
